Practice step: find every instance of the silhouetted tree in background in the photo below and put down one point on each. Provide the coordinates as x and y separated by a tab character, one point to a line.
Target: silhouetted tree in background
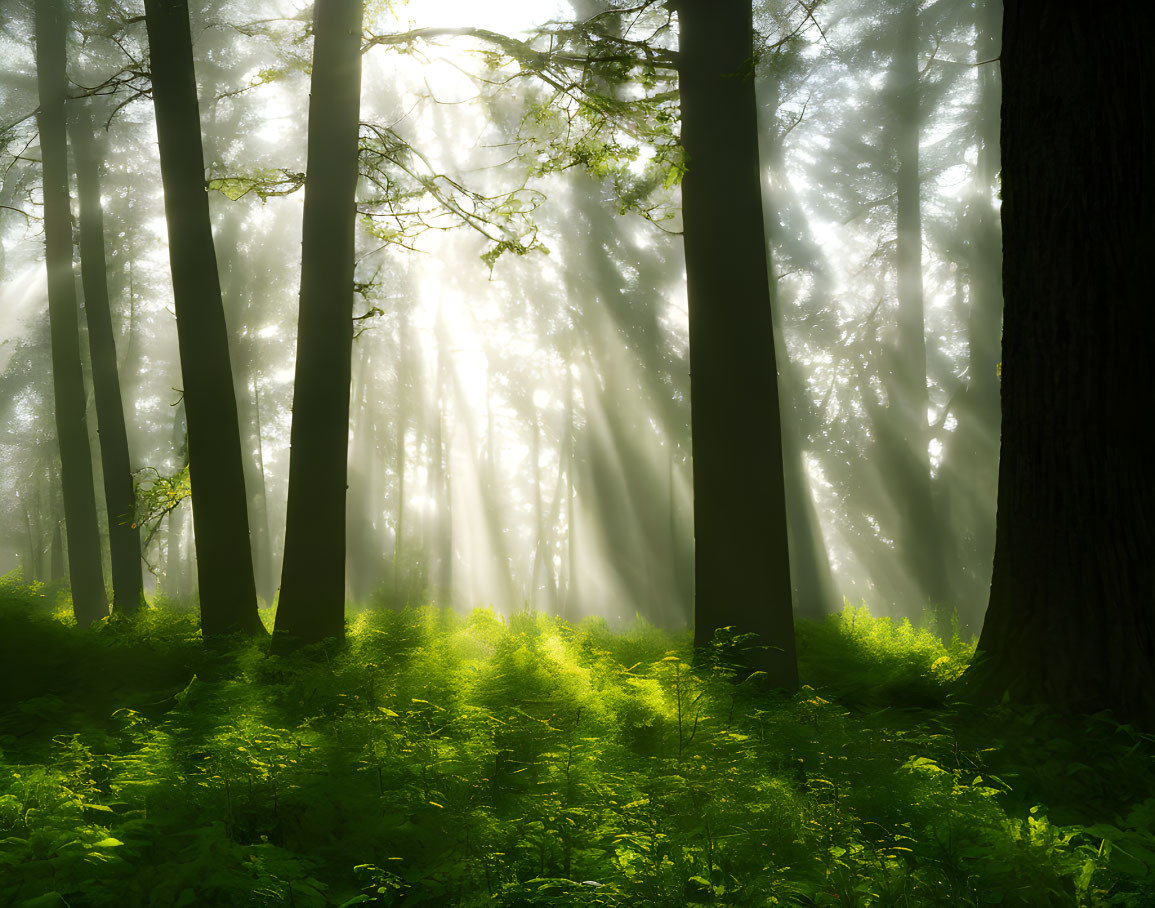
119	494
83	536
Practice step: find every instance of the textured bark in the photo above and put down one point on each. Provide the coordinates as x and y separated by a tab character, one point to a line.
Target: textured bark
312	603
85	571
119	495
742	561
220	519
1071	620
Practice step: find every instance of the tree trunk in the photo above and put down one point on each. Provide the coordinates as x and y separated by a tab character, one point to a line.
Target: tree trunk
908	461
742	559
312	603
439	478
119	495
86	574
1071	620
571	605
401	418
264	571
176	575
220	519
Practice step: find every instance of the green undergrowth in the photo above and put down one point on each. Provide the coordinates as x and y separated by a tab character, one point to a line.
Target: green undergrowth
439	759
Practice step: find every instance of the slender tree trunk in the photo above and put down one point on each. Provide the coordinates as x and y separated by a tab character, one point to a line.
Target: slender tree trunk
220	519
742	559
123	533
264	571
312	603
1071	619
365	547
175	574
56	568
543	566
490	501
920	537
439	473
572	602
33	568
401	418
86	574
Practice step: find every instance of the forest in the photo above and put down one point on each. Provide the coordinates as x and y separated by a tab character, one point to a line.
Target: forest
576	452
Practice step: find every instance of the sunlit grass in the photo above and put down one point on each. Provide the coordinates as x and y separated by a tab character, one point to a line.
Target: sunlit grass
440	758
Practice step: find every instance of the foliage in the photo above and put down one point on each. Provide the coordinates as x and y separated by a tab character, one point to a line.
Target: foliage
157	494
441	759
265	183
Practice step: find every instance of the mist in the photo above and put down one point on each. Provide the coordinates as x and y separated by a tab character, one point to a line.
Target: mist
657	453
519	430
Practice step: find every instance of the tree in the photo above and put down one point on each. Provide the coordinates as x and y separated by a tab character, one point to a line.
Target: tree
220	519
1071	620
123	532
741	562
904	431
86	573
312	603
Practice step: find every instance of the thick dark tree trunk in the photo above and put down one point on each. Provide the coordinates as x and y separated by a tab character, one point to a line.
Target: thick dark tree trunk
123	533
1071	620
86	574
312	603
220	519
742	559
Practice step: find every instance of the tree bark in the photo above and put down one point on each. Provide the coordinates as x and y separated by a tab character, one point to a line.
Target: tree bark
119	495
86	574
220	519
742	560
312	603
1071	620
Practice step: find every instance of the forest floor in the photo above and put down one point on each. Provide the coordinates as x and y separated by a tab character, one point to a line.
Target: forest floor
439	759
